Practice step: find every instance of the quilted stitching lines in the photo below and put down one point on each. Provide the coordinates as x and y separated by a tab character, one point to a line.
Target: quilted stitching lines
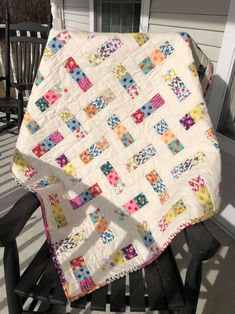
168	137
176	85
86	196
112	177
120	130
77	74
148	108
105	51
99	103
94	150
126	80
139	159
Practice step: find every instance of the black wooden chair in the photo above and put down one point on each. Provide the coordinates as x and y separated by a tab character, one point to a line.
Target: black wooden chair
24	43
161	287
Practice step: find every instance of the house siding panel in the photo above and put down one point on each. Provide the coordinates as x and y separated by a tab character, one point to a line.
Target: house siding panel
203	20
76	15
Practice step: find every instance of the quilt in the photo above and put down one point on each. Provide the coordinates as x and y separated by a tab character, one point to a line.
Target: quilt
118	146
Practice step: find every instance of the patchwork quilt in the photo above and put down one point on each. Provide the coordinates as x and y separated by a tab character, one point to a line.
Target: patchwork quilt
118	145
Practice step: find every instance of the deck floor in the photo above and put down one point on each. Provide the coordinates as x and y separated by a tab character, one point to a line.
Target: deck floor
218	284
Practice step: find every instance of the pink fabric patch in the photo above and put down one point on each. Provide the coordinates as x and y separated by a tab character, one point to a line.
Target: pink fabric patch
86	284
113	178
133	91
85	84
78	262
157	101
131	207
76	202
56	137
94	190
64	37
39	150
51	97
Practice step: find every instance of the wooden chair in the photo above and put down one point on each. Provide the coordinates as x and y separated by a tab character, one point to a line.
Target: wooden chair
25	43
160	289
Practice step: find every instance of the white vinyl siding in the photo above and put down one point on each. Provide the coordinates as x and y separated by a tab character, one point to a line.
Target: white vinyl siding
203	20
76	15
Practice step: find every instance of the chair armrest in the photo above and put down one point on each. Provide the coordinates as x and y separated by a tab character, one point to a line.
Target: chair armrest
14	221
202	244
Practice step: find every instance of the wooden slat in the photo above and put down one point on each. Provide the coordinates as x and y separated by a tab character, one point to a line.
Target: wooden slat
99	299
195	7
157	299
137	289
79	304
117	298
43	288
207	22
33	272
58	296
205	37
171	280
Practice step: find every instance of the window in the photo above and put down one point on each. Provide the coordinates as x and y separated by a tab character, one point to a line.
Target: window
122	16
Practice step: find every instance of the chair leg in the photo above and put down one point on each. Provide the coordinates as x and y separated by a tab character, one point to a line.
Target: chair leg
192	285
12	275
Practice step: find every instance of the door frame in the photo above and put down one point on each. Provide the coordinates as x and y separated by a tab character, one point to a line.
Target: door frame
144	15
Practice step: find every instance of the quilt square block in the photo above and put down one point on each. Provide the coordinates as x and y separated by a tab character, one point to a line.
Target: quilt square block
85	196
77	74
82	273
96	215
148	239
168	137
73	124
51	96
133	91
55	44
147	109
90	110
161	127
113	121
56	137
107	236
42	104
146	65
85	84
166	49
140	200
101	225
48	144
107	168
87	285
118	258
69	169
197	113
129	252
64	37
78	263
120	130
113	178
76	202
159	186
140	38
33	127
187	121
39	78
138	116
70	65
127	81
127	139
175	146
95	190
156	57
131	207
85	157
39	150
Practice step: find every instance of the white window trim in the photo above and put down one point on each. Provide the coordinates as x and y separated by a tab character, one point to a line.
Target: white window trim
222	79
144	15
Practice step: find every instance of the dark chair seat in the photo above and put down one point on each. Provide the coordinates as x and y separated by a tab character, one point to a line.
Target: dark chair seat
158	287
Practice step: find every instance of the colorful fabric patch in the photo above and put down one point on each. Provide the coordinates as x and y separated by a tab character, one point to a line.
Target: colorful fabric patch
86	196
113	178
126	80
193	116
158	185
72	123
212	137
44	182
140	38
139	159
57	211
202	194
147	237
174	211
99	103
201	71
69	243
119	129
101	226
47	144
168	137
105	51
30	124
22	164
51	96
94	150
66	165
188	164
82	274
56	44
132	206
119	258
156	57
148	108
192	68
38	79
77	74
176	85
